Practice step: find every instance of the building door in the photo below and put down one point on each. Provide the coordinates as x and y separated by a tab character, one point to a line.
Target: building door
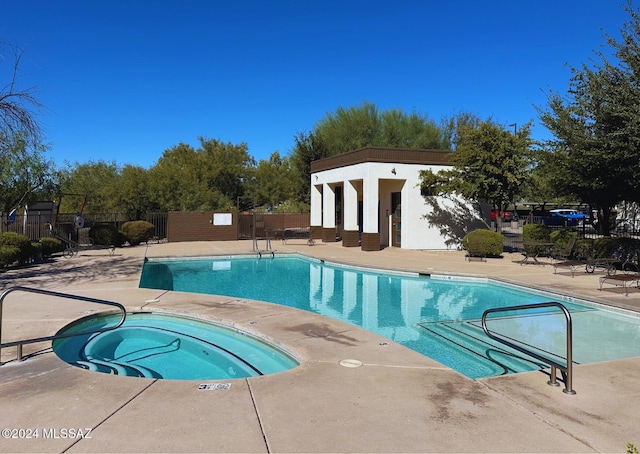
396	219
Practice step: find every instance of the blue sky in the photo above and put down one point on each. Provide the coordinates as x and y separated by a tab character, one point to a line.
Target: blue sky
125	80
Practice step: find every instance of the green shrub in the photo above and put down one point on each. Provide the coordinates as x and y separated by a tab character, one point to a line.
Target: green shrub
138	231
106	235
22	242
484	242
8	255
536	232
560	238
36	251
50	246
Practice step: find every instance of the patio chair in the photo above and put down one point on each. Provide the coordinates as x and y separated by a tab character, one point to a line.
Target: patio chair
621	280
565	258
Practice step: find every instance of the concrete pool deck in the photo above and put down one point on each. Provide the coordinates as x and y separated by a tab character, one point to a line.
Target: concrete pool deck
397	401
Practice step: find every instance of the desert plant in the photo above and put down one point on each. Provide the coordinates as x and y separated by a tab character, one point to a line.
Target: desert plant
536	232
484	242
560	239
50	246
106	235
36	251
8	255
138	231
19	241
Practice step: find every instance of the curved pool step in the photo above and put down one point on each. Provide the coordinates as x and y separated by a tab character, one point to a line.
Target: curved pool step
466	336
124	369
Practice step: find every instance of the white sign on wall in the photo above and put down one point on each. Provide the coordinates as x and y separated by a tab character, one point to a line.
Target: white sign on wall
222	219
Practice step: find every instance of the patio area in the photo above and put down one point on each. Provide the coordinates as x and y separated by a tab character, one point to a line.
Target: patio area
398	401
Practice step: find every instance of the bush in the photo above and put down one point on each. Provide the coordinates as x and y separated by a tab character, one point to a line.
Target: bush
8	255
560	238
138	231
19	241
483	242
50	246
106	235
536	232
36	251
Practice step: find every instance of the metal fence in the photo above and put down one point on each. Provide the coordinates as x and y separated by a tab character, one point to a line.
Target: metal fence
512	231
36	225
262	225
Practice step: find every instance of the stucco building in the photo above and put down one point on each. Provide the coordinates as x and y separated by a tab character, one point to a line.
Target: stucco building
370	198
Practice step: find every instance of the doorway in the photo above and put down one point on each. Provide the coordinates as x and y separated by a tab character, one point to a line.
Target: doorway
396	219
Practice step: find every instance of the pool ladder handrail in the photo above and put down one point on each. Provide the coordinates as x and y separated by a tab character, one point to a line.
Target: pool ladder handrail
268	249
19	343
566	370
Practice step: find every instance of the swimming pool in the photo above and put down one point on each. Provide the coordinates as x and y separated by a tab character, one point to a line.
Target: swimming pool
166	346
436	316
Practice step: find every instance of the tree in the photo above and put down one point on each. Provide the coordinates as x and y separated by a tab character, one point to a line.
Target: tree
23	168
23	172
95	181
596	127
308	148
17	118
229	167
211	177
365	126
271	183
356	127
178	182
132	192
490	164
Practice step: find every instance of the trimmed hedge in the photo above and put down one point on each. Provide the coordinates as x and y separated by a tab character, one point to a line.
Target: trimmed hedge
50	246
8	255
536	232
138	231
483	242
106	235
19	241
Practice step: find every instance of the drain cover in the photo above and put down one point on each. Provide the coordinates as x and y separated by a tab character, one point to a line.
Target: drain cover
350	363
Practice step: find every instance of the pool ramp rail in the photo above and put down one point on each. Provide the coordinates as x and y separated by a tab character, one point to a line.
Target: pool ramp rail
481	353
501	354
565	368
20	343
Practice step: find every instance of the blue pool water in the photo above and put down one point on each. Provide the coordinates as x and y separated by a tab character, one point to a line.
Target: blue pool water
162	346
438	317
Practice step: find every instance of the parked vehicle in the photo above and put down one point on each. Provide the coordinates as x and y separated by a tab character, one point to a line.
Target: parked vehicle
504	215
565	216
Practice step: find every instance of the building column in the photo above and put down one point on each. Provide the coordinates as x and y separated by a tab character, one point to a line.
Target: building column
328	214
350	234
370	215
316	212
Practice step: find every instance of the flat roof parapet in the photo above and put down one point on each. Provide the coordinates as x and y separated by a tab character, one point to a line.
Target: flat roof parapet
391	155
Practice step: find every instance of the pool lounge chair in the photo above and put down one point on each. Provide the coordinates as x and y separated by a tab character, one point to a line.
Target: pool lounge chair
621	280
564	258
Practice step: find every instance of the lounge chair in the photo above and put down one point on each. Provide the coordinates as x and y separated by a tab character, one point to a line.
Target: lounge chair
621	280
564	258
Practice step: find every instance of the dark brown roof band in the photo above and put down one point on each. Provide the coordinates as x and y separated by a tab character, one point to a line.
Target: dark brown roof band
391	155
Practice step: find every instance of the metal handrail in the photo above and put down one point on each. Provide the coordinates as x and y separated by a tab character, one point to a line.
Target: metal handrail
566	370
20	343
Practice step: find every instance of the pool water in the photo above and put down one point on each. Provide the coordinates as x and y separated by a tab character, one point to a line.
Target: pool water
169	347
438	317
